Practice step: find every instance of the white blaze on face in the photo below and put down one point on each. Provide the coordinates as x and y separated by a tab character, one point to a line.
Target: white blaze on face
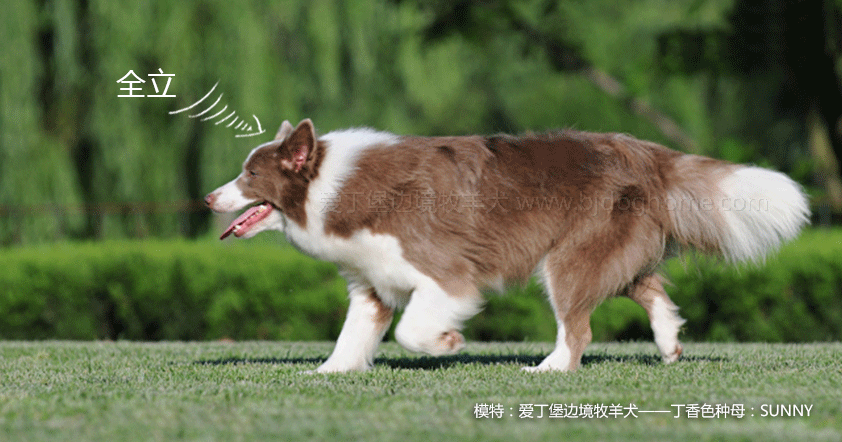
230	198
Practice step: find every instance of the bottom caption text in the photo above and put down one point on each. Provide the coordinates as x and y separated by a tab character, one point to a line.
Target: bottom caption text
631	411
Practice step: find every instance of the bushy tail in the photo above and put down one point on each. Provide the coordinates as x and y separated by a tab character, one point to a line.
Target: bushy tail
739	212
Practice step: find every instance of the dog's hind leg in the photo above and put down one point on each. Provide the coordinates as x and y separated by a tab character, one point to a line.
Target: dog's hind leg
572	313
574	334
366	323
663	315
579	276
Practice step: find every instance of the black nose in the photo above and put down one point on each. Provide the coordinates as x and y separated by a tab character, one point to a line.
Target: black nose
209	200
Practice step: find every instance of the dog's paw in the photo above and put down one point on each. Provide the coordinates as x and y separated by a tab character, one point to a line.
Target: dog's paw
330	367
431	343
543	369
452	342
672	357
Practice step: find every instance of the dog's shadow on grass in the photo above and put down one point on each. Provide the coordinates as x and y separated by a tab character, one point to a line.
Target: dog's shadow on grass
441	362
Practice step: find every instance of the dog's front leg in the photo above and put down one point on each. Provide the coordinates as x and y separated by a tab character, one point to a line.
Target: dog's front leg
366	323
432	319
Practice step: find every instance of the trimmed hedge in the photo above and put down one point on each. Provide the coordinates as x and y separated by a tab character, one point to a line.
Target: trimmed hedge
178	290
167	290
795	297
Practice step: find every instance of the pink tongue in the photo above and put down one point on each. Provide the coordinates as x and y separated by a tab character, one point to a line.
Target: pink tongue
249	218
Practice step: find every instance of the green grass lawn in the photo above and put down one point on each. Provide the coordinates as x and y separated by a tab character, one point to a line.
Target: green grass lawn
256	391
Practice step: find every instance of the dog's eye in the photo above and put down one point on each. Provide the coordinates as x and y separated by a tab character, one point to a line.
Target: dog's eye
252	173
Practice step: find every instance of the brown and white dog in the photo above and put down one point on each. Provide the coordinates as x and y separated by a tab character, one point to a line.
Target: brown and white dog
425	224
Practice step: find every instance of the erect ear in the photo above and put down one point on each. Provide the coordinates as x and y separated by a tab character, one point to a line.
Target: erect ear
284	130
300	143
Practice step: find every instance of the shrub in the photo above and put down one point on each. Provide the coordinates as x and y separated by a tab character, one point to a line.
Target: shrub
167	290
178	290
795	296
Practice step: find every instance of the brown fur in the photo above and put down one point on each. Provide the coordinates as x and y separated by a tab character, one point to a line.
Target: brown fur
609	205
644	293
608	233
270	176
384	312
612	234
425	224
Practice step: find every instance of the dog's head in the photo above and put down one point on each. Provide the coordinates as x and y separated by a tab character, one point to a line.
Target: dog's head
274	180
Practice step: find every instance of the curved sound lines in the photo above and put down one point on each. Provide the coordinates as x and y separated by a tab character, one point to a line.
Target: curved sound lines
242	127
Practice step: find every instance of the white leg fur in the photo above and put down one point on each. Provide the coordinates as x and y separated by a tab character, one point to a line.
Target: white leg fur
360	335
432	319
665	326
559	359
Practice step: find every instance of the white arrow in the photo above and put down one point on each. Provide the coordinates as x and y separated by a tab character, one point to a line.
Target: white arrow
241	127
260	130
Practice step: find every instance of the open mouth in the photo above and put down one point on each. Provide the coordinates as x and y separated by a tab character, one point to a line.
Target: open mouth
247	220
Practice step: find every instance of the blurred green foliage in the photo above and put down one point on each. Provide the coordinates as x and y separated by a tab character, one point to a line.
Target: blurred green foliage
79	162
178	290
76	161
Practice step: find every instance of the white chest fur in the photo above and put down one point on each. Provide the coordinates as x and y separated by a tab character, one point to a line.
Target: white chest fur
365	258
373	259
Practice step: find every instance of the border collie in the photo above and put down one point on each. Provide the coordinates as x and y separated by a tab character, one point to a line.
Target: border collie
425	224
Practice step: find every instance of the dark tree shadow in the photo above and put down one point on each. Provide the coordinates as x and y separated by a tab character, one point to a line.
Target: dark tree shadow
440	362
